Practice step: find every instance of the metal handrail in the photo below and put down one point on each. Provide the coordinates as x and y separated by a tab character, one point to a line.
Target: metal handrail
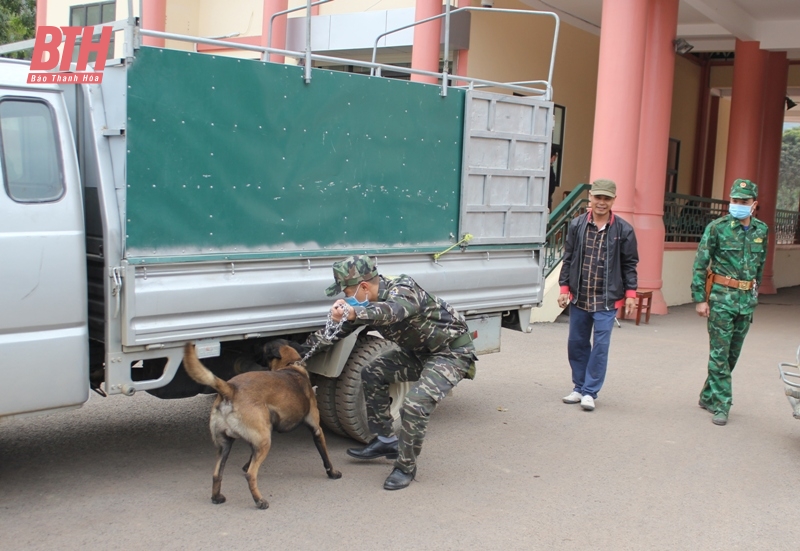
284	12
317	57
686	216
558	225
548	89
787	227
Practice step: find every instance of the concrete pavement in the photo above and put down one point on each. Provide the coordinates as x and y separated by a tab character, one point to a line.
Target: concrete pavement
505	465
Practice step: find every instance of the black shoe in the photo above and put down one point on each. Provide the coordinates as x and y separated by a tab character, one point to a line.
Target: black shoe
375	449
399	480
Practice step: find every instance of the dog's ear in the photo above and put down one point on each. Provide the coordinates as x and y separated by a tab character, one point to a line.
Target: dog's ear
271	351
289	355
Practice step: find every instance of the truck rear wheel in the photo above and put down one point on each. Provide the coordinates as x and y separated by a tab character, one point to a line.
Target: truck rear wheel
350	406
326	403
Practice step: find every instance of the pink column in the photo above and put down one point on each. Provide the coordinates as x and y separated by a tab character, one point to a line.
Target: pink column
744	135
272	7
41	13
425	50
771	140
619	98
651	165
154	18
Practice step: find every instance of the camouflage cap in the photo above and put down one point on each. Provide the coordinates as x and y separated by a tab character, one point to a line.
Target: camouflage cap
604	187
744	189
350	271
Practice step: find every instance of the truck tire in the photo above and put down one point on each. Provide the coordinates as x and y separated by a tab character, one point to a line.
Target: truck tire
350	405
326	403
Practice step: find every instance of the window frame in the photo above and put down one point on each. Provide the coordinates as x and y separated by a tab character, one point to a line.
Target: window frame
58	151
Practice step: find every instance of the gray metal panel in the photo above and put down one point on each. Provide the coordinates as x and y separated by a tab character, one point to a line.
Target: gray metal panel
44	343
173	303
505	168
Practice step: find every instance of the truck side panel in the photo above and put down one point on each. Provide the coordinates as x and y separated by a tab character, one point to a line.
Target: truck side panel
233	156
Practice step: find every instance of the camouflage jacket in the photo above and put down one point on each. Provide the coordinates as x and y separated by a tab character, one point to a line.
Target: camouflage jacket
406	314
730	250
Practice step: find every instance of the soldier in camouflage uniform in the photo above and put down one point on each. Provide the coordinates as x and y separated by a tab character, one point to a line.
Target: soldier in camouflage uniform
436	352
732	253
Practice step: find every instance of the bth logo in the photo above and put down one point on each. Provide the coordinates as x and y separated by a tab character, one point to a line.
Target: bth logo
46	56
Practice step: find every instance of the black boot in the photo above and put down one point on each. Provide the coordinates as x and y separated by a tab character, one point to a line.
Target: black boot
375	449
399	480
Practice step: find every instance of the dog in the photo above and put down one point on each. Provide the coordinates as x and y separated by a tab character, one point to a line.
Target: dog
249	406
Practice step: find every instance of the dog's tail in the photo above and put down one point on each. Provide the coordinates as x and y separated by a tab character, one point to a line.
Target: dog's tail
202	375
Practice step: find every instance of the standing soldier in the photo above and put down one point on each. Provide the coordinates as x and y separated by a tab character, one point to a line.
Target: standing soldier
435	350
727	272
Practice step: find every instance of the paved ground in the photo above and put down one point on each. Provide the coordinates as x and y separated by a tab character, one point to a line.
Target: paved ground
506	465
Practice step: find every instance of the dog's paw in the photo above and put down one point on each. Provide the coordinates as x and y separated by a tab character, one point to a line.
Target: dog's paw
334	474
218	499
262	504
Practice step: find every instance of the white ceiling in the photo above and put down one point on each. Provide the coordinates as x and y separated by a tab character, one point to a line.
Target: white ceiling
709	25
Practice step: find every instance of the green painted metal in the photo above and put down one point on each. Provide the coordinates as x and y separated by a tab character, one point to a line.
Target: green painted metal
230	156
558	223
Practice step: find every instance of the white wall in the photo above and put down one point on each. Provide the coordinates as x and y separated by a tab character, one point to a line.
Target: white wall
677	272
677	276
787	266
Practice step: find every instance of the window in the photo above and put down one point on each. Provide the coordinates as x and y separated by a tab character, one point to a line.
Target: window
673	159
29	151
559	122
93	14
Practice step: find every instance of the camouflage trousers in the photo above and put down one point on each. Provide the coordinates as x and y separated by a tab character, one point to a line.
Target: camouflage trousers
726	331
434	376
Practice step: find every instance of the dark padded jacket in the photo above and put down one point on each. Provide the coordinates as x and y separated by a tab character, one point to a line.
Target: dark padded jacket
621	260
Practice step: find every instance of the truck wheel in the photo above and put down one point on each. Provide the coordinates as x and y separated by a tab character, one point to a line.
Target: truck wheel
326	403
350	405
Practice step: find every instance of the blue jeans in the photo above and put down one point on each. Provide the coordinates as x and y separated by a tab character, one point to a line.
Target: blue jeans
589	360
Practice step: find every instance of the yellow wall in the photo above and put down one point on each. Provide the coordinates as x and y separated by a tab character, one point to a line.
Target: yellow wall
721	156
683	124
506	47
721	76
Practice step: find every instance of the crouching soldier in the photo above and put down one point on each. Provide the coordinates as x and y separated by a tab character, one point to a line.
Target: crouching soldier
435	351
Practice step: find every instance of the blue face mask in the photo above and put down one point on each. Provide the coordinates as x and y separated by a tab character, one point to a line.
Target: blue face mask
740	212
353	301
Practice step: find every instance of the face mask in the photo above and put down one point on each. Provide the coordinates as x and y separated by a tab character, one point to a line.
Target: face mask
740	212
353	301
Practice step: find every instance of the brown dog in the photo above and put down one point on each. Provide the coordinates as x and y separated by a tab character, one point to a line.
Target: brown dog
250	405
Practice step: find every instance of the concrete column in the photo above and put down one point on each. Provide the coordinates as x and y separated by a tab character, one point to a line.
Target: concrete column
619	98
770	155
41	13
744	137
425	50
272	7
154	18
651	165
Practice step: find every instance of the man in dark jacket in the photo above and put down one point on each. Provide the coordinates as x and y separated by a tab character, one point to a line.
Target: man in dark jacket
598	276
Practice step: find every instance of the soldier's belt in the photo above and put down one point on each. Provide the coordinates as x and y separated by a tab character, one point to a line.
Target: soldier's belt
733	283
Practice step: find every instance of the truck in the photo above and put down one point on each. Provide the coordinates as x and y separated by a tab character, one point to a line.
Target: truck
190	197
